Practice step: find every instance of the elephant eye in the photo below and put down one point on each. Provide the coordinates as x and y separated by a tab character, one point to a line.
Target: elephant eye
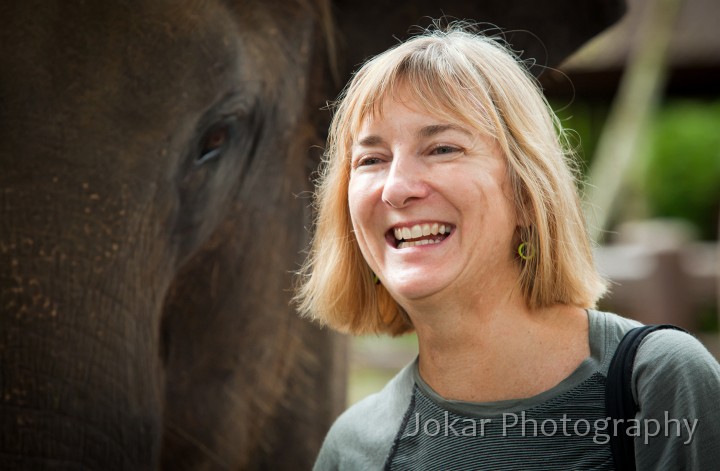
214	141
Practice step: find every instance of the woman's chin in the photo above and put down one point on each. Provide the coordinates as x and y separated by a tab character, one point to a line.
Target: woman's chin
414	290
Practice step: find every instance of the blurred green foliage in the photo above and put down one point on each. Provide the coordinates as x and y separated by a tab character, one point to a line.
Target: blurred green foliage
583	122
681	165
682	177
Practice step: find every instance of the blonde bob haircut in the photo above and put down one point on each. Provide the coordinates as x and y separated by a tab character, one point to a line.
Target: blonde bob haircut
467	78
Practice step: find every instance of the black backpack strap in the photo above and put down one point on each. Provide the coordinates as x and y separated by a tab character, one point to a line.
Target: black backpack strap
619	401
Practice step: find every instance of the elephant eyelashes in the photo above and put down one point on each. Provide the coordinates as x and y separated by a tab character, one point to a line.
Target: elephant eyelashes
215	140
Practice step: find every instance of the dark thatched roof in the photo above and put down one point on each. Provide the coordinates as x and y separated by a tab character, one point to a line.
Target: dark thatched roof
694	54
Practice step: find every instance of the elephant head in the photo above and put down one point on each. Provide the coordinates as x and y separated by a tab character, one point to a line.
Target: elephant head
153	156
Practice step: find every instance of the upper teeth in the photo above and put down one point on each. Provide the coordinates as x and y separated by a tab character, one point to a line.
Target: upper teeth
420	230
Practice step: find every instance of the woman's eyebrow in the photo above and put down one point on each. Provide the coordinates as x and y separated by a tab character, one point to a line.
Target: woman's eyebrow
369	141
425	132
430	131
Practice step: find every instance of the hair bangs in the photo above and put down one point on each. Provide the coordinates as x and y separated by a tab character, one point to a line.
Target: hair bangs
455	92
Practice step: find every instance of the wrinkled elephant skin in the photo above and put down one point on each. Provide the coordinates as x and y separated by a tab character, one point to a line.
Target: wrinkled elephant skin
153	162
152	155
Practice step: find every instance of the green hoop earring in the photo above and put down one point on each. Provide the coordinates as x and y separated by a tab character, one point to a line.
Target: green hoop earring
375	278
526	251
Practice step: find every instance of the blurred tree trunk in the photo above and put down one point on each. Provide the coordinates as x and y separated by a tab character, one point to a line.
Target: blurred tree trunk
637	98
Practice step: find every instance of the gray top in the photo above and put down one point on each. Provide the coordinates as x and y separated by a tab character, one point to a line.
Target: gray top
407	425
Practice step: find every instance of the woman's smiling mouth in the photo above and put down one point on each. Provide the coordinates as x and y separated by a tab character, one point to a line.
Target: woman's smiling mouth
402	237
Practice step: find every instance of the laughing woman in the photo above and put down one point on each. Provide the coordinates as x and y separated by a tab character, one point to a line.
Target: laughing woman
447	205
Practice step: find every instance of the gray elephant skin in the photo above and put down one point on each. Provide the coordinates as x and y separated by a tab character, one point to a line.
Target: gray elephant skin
155	159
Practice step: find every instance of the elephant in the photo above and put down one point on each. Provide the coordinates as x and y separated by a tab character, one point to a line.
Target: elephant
155	162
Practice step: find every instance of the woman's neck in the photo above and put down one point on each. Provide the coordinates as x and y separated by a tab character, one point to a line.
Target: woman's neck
498	349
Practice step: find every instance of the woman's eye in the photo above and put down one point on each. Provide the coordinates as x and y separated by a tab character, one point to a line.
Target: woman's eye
444	150
367	161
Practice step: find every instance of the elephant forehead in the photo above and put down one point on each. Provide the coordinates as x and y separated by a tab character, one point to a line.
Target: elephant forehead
133	61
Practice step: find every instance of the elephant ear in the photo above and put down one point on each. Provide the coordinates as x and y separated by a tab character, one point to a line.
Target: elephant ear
544	31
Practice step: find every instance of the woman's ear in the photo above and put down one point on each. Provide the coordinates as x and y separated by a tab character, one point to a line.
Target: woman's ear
524	212
523	219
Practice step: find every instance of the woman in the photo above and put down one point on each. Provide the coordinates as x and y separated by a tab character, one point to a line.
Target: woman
447	206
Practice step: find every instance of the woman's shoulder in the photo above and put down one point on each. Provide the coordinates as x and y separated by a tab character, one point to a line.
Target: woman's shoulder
676	383
606	330
609	326
361	438
376	409
674	356
662	349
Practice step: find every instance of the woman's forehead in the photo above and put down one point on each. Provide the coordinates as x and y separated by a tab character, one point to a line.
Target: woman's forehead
441	110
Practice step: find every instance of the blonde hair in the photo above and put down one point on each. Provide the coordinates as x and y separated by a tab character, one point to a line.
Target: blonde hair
472	79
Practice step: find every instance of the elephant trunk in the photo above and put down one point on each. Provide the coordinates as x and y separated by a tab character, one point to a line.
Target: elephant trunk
79	367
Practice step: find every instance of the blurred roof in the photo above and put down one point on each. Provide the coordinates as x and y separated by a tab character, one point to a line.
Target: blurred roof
694	52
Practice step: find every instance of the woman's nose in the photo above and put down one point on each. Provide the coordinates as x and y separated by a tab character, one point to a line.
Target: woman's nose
406	181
